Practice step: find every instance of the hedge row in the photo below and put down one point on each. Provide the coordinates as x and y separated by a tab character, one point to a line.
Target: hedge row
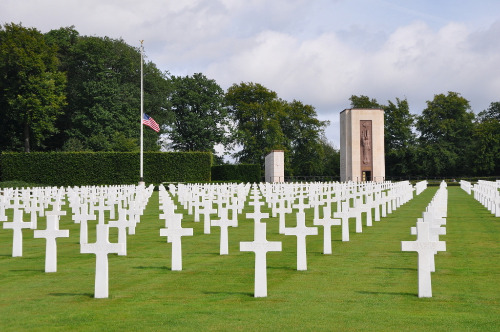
104	168
244	173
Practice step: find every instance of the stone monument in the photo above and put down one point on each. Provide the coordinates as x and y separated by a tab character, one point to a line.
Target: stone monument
362	156
275	166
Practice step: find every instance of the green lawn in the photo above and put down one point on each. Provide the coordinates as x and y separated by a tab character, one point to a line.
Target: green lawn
367	284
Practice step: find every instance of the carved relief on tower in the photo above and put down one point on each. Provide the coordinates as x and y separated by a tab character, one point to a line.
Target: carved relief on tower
366	142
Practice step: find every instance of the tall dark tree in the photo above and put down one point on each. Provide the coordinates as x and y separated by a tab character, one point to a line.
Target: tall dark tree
485	150
200	116
364	102
255	112
103	93
446	128
31	89
400	139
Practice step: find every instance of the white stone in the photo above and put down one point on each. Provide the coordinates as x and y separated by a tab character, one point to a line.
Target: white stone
425	249
17	225
51	233
101	248
275	166
260	246
174	232
301	231
327	222
224	223
344	215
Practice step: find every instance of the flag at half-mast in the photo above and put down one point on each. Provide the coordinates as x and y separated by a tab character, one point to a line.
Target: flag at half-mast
150	122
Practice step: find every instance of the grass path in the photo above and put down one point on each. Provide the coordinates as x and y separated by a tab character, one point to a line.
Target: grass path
366	284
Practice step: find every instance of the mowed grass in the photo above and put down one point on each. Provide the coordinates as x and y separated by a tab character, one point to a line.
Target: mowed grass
366	284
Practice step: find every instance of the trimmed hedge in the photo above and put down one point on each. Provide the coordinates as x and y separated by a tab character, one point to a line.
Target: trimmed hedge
104	168
244	173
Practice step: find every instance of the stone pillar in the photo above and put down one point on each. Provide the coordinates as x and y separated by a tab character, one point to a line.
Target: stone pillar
275	166
362	156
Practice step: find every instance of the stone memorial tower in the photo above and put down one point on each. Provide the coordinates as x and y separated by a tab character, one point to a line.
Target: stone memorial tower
362	156
275	166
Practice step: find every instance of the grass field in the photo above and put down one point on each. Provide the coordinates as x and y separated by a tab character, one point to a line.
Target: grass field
366	284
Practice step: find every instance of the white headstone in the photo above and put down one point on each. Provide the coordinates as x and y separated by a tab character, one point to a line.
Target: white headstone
425	249
174	232
51	233
17	225
101	248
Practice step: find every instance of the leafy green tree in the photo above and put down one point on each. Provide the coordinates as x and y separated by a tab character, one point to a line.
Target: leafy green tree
303	134
364	102
400	140
255	111
31	88
485	152
446	128
200	117
103	91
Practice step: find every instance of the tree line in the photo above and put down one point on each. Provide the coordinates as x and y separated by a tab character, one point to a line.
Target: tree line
61	91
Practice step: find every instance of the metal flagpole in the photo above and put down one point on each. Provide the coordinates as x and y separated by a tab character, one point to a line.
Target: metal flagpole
141	179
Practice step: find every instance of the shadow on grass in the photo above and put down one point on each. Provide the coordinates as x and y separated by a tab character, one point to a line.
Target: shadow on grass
72	294
397	268
152	268
287	268
387	293
229	293
26	270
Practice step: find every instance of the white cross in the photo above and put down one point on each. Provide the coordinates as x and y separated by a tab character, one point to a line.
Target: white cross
327	223
281	210
174	232
260	246
207	211
301	231
122	224
425	249
344	215
82	217
224	222
101	248
17	225
51	233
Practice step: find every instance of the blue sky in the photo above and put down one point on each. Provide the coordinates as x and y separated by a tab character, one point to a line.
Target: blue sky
317	51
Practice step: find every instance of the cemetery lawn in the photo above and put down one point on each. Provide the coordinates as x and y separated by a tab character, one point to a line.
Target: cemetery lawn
366	284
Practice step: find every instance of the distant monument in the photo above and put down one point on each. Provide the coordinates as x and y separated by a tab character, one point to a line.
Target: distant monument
362	156
275	166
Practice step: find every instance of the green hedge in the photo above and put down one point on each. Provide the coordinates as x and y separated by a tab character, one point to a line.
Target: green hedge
104	168
244	173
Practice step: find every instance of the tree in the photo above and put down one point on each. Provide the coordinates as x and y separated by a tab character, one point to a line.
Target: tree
31	88
485	152
103	92
303	134
399	139
446	128
364	102
200	117
254	110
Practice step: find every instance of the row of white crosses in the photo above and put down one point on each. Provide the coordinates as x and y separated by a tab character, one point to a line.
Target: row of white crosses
428	230
281	198
487	193
420	187
84	202
129	200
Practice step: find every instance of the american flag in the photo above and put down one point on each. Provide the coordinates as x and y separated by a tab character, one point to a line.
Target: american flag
150	122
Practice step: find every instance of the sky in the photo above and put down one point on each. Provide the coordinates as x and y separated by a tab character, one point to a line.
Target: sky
320	52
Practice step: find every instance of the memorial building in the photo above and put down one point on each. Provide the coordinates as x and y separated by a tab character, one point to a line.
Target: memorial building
362	156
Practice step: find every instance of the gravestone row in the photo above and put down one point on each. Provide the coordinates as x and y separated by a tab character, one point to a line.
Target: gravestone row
487	193
126	204
427	244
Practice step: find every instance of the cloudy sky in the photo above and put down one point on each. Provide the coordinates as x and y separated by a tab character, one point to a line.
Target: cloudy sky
317	51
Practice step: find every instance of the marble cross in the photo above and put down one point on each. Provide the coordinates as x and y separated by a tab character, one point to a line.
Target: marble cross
281	210
101	248
223	222
207	210
425	249
17	225
51	233
344	215
174	232
82	217
122	224
301	231
260	246
327	223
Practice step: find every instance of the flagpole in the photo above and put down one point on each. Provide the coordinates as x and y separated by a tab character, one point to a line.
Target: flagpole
141	178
